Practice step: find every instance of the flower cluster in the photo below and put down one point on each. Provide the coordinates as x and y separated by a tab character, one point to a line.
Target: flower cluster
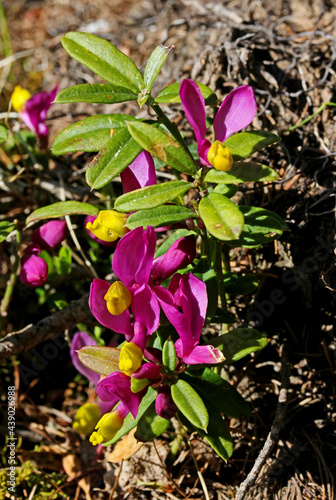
34	269
132	306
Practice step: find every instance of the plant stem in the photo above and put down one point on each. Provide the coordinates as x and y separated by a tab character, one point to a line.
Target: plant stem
12	280
220	277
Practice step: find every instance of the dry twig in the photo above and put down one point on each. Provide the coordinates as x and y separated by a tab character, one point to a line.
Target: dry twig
274	433
24	340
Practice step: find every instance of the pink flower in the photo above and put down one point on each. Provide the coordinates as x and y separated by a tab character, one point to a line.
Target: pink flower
133	262
34	114
51	234
140	173
235	113
34	270
185	304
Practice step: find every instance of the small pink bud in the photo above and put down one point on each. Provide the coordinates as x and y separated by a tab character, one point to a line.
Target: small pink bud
51	234
164	404
34	270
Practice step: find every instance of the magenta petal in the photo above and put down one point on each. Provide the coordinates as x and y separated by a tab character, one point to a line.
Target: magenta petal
34	270
81	339
200	354
140	173
179	255
133	257
51	234
235	113
194	107
147	370
105	406
117	386
35	112
164	404
146	309
97	304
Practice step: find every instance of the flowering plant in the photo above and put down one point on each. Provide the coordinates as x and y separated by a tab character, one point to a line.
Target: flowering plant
162	297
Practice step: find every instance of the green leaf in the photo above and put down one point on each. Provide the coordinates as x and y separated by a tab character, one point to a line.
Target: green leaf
169	355
50	263
231	403
221	217
3	133
155	63
90	134
222	316
159	216
162	145
240	285
150	425
238	343
228	190
117	153
130	422
171	94
179	233
190	404
245	144
103	360
104	59
151	196
62	263
243	172
261	226
6	228
60	209
217	434
99	93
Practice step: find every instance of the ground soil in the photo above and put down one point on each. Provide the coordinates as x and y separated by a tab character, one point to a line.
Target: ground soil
286	51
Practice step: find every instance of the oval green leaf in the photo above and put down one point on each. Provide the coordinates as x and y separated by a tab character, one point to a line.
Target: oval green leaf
62	208
221	217
228	190
104	59
103	360
169	355
238	343
163	146
3	133
243	172
190	404
261	226
155	63
171	94
240	285
117	153
150	425
90	134
159	216
245	144
6	228
151	196
98	93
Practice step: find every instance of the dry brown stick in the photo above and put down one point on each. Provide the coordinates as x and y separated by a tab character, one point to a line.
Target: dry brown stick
274	433
24	340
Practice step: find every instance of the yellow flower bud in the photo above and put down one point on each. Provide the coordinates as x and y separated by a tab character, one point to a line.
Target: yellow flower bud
106	428
130	358
19	98
118	298
86	418
220	156
109	225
